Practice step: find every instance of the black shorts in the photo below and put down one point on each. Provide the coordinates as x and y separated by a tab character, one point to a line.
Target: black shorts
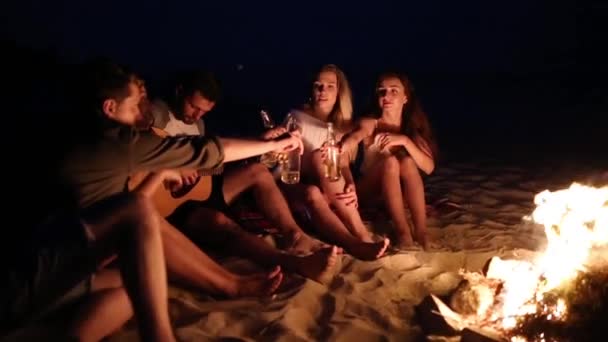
53	268
215	201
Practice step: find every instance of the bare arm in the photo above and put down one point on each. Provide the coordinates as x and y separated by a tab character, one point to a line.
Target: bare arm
364	130
418	149
237	149
421	153
152	153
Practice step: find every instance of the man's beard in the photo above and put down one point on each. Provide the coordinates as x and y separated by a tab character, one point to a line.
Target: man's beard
188	120
144	121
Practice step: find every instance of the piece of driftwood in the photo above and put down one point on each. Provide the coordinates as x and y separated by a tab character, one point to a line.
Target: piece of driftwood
436	318
433	322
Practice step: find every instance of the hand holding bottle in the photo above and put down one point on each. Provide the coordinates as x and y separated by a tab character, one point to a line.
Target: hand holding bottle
332	155
290	142
290	156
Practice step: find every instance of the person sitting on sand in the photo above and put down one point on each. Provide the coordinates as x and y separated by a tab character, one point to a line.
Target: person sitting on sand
92	214
398	144
331	206
208	222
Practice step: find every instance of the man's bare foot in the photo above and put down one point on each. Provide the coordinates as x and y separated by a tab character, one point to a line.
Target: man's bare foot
369	250
315	266
260	284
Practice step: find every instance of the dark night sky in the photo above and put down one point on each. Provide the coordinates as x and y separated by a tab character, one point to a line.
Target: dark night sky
423	35
462	55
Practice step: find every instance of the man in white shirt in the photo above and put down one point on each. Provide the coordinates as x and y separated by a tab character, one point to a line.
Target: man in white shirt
196	93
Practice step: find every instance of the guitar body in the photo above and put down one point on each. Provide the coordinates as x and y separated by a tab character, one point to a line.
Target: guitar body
167	201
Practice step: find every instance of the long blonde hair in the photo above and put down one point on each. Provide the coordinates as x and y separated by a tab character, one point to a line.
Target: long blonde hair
342	113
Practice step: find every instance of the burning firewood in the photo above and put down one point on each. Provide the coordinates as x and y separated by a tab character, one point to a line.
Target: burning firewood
587	302
562	295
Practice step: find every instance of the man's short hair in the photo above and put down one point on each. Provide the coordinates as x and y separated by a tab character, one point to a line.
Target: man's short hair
106	80
199	80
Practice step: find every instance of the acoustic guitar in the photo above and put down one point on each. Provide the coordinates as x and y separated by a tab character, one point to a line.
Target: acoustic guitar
165	200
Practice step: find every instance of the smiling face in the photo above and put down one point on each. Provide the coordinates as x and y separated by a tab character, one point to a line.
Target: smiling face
391	95
325	91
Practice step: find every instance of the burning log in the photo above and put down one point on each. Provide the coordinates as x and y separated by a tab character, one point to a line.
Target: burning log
475	295
587	302
560	296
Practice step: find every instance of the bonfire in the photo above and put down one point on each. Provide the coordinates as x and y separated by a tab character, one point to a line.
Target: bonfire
560	296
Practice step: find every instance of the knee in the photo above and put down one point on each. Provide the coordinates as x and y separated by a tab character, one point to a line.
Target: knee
142	213
313	195
259	173
220	219
391	165
140	207
316	158
407	166
317	155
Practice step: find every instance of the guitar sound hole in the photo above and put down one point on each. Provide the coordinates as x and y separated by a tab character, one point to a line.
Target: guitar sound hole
184	189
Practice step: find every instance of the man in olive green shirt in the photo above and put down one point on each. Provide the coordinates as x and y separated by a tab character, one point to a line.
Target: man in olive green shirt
92	217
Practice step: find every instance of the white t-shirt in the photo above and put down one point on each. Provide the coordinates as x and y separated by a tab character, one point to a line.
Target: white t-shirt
177	127
165	120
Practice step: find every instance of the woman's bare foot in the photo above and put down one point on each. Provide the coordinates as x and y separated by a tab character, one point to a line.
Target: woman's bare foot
404	240
260	284
423	239
368	250
316	265
363	235
287	239
306	244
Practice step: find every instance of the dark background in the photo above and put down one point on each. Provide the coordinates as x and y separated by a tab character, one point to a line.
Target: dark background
518	80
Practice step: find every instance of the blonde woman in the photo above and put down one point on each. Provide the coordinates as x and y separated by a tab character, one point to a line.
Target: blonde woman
332	207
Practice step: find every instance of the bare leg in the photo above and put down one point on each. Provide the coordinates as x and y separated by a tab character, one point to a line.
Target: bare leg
132	225
222	230
331	227
271	202
348	214
386	176
105	312
414	196
188	264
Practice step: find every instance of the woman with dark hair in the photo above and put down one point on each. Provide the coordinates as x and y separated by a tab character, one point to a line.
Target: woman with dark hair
398	142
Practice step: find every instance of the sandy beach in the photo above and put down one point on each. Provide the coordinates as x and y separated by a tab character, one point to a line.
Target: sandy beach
484	210
375	301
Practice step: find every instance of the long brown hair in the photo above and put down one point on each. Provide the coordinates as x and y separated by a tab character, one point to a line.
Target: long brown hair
414	120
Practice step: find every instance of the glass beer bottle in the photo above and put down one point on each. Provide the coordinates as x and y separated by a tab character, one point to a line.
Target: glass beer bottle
268	159
332	157
290	164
